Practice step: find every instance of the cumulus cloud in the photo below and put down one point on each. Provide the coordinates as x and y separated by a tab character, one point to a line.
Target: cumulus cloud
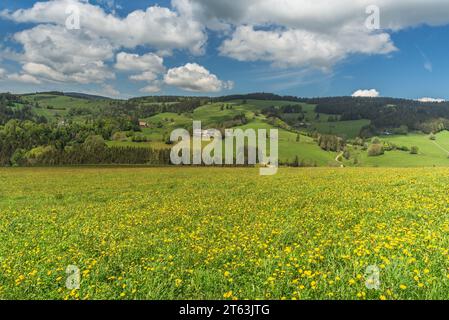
301	48
196	78
289	33
2	73
134	62
318	15
151	89
110	91
431	100
24	78
51	52
150	65
158	27
145	76
57	54
372	93
304	33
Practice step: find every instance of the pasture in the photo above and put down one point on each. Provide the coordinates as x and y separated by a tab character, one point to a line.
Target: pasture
210	233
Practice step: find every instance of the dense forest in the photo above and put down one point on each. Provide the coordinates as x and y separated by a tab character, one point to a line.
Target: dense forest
386	113
259	96
26	139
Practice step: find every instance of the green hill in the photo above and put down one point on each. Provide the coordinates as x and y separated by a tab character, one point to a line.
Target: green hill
430	152
55	106
299	121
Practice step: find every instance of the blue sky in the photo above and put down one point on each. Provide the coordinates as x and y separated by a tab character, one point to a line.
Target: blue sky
211	48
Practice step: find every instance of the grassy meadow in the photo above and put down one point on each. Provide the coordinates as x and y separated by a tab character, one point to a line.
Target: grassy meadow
432	153
210	233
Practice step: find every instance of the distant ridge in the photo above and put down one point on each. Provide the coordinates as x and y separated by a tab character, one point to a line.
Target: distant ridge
346	100
85	96
71	95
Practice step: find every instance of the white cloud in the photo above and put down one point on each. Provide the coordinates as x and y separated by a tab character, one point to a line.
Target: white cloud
110	91
51	52
43	71
24	78
158	27
372	93
134	62
2	73
431	100
150	65
196	78
286	33
304	33
317	15
150	89
300	48
145	76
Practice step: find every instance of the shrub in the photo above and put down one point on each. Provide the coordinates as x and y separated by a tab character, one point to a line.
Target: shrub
375	150
139	138
414	150
347	154
119	136
432	137
375	140
403	130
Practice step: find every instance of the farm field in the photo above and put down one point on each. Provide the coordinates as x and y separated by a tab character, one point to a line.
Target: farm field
210	233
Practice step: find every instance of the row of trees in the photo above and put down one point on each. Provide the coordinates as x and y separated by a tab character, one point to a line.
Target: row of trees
331	143
92	151
23	140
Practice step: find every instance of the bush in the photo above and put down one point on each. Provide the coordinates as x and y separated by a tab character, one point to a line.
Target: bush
119	136
432	137
403	130
347	154
139	138
414	150
375	150
375	140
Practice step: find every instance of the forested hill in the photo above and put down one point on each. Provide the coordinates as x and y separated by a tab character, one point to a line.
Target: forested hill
56	128
387	112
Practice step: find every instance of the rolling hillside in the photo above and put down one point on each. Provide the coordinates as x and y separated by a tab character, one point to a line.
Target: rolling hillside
298	122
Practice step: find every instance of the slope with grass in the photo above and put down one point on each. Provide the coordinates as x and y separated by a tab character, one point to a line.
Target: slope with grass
306	149
431	153
312	121
57	106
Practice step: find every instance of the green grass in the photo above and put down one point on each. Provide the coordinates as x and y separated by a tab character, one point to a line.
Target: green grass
57	106
431	153
212	115
348	129
170	120
149	144
210	233
306	149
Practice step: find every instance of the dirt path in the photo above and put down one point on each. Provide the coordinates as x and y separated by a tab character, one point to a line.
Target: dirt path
338	157
440	147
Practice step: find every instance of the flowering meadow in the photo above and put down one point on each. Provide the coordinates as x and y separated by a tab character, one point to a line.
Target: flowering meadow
212	233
